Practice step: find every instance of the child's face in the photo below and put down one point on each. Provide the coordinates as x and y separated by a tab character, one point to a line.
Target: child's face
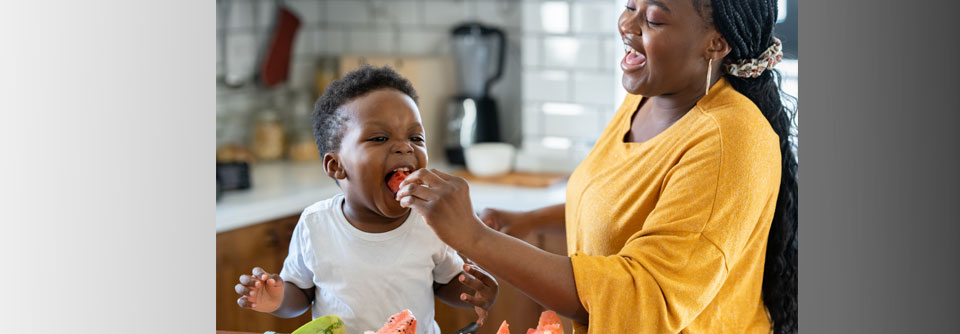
382	134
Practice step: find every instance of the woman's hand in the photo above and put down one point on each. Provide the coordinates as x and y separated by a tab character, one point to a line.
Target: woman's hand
485	290
507	222
261	291
444	202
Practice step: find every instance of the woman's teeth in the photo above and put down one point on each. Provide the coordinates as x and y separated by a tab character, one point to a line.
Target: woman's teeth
629	49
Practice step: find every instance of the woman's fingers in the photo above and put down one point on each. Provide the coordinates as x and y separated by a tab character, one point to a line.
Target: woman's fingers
422	176
413	202
442	175
418	191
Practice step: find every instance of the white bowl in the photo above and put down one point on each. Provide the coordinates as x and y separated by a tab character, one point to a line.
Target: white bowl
489	159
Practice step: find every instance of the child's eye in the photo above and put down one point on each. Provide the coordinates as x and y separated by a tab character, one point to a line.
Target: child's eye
381	139
416	138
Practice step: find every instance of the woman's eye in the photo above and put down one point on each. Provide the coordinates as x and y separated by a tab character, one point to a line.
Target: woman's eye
653	24
630	8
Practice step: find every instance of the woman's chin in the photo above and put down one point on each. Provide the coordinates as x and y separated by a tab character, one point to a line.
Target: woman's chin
632	84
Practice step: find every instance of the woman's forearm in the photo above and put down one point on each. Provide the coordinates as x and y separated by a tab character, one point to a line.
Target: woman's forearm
550	218
295	301
545	277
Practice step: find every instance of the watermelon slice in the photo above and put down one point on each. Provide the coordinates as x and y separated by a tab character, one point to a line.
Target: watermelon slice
394	182
400	323
549	324
504	328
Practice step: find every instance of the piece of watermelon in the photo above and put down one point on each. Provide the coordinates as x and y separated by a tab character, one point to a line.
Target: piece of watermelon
394	182
549	324
504	328
400	323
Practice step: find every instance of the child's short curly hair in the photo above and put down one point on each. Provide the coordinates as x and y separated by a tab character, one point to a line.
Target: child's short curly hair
328	119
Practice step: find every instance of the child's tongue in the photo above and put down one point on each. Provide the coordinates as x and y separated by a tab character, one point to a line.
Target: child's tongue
394	182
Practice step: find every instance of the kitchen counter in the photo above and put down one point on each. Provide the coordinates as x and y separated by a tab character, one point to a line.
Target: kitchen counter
282	189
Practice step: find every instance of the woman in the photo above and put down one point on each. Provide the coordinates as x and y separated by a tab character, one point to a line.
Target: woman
683	217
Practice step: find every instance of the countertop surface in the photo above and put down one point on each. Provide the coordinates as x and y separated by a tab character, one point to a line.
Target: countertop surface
282	189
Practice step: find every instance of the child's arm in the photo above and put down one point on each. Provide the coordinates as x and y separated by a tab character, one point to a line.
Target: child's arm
268	293
474	288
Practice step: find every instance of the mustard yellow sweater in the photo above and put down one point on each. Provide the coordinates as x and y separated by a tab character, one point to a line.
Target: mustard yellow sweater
669	235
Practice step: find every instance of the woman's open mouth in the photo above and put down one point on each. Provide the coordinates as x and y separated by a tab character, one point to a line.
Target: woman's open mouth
633	60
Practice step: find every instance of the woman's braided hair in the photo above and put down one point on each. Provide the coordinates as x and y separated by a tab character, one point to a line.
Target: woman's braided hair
747	26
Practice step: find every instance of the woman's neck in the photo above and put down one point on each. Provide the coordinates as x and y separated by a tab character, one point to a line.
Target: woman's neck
369	221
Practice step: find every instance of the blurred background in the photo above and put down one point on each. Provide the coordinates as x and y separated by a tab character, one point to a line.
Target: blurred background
541	78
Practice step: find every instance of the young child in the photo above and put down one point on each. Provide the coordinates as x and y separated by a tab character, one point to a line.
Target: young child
360	255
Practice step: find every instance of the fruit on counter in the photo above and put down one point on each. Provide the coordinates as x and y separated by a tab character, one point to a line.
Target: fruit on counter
400	323
396	178
549	324
504	328
328	324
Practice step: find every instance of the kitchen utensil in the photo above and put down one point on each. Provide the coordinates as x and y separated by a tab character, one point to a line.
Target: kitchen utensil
489	159
471	328
276	63
233	176
471	115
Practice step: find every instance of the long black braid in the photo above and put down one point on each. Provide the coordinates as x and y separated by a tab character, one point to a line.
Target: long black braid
747	26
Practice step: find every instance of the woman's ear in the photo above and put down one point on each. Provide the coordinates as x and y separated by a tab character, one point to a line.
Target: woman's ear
332	166
717	47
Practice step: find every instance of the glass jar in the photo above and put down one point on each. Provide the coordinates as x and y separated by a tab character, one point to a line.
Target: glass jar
268	135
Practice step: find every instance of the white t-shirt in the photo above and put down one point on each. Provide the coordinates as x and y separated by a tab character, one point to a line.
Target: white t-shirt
366	277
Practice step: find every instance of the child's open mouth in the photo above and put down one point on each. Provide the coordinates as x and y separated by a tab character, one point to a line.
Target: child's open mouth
395	177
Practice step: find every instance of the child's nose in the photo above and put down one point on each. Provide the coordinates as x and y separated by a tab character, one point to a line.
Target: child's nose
403	148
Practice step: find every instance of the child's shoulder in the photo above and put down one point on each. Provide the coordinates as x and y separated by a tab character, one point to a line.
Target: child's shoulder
324	210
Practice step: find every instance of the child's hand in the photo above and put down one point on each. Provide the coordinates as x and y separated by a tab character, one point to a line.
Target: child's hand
485	290
261	292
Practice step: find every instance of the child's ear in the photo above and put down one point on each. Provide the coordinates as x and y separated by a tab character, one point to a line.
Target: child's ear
331	165
717	47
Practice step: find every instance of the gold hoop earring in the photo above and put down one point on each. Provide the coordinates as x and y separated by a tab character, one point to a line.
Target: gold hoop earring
709	71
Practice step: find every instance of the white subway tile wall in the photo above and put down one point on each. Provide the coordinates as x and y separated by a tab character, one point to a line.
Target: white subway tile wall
571	80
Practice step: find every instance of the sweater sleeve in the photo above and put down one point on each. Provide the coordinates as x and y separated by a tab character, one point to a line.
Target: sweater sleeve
668	272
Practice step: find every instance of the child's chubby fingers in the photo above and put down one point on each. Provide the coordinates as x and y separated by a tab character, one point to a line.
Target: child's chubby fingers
243	290
471	282
249	281
481	275
244	302
273	280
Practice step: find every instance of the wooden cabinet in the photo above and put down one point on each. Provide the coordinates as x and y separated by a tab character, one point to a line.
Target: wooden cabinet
266	245
516	308
238	251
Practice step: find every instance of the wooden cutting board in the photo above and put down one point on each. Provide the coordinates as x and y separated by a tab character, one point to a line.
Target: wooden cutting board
518	179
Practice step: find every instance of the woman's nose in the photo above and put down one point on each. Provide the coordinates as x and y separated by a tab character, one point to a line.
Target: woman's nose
626	23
